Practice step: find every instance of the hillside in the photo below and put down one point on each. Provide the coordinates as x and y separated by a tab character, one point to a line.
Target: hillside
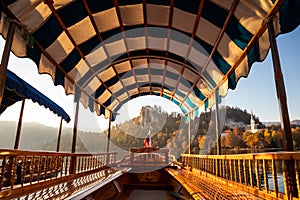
33	136
167	130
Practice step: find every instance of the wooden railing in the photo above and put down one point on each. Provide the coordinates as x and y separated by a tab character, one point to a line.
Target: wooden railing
27	168
267	175
146	157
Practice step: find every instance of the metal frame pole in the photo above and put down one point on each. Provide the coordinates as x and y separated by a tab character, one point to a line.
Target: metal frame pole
59	135
18	135
5	58
280	89
289	168
189	130
218	141
108	138
75	126
73	158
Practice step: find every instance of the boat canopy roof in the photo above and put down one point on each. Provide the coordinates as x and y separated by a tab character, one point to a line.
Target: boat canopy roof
108	52
17	89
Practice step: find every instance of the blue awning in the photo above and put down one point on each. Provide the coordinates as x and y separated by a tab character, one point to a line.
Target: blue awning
16	89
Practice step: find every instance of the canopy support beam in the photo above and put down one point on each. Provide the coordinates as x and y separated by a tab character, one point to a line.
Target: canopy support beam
75	127
5	58
284	114
218	141
59	135
74	140
280	89
18	135
190	132
108	138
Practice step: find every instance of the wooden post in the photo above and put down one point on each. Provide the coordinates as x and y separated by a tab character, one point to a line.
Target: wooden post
265	169
274	174
245	172
218	141
251	173
5	58
284	114
59	135
75	126
240	170
108	138
280	88
257	174
18	135
189	131
73	158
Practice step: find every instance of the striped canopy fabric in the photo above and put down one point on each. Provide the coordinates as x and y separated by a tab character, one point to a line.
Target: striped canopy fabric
108	52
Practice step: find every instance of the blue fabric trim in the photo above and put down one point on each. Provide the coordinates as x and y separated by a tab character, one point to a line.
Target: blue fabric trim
183	109
289	15
89	45
59	78
175	101
166	97
23	89
199	94
96	7
188	6
111	81
190	103
140	71
68	16
48	32
159	2
129	2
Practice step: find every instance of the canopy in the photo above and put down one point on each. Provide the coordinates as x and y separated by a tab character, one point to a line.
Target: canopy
108	52
17	89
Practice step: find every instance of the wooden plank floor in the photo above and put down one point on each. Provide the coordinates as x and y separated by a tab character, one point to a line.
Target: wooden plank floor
144	195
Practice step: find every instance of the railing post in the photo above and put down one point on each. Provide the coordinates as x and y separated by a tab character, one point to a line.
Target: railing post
240	171
230	170
251	173
274	173
257	174
265	175
297	176
245	173
235	171
287	192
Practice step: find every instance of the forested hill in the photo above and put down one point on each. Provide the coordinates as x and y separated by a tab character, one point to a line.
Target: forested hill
169	130
166	130
236	114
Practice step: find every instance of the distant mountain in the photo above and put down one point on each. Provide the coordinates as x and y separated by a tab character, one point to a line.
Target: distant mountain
271	123
296	122
34	136
293	122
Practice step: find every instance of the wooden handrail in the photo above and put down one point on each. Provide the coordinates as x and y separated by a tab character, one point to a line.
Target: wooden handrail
262	174
28	168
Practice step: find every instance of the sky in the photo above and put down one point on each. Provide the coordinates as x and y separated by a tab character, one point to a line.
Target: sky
255	93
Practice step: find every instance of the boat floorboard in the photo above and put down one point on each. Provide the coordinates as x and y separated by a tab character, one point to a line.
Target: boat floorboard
138	194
